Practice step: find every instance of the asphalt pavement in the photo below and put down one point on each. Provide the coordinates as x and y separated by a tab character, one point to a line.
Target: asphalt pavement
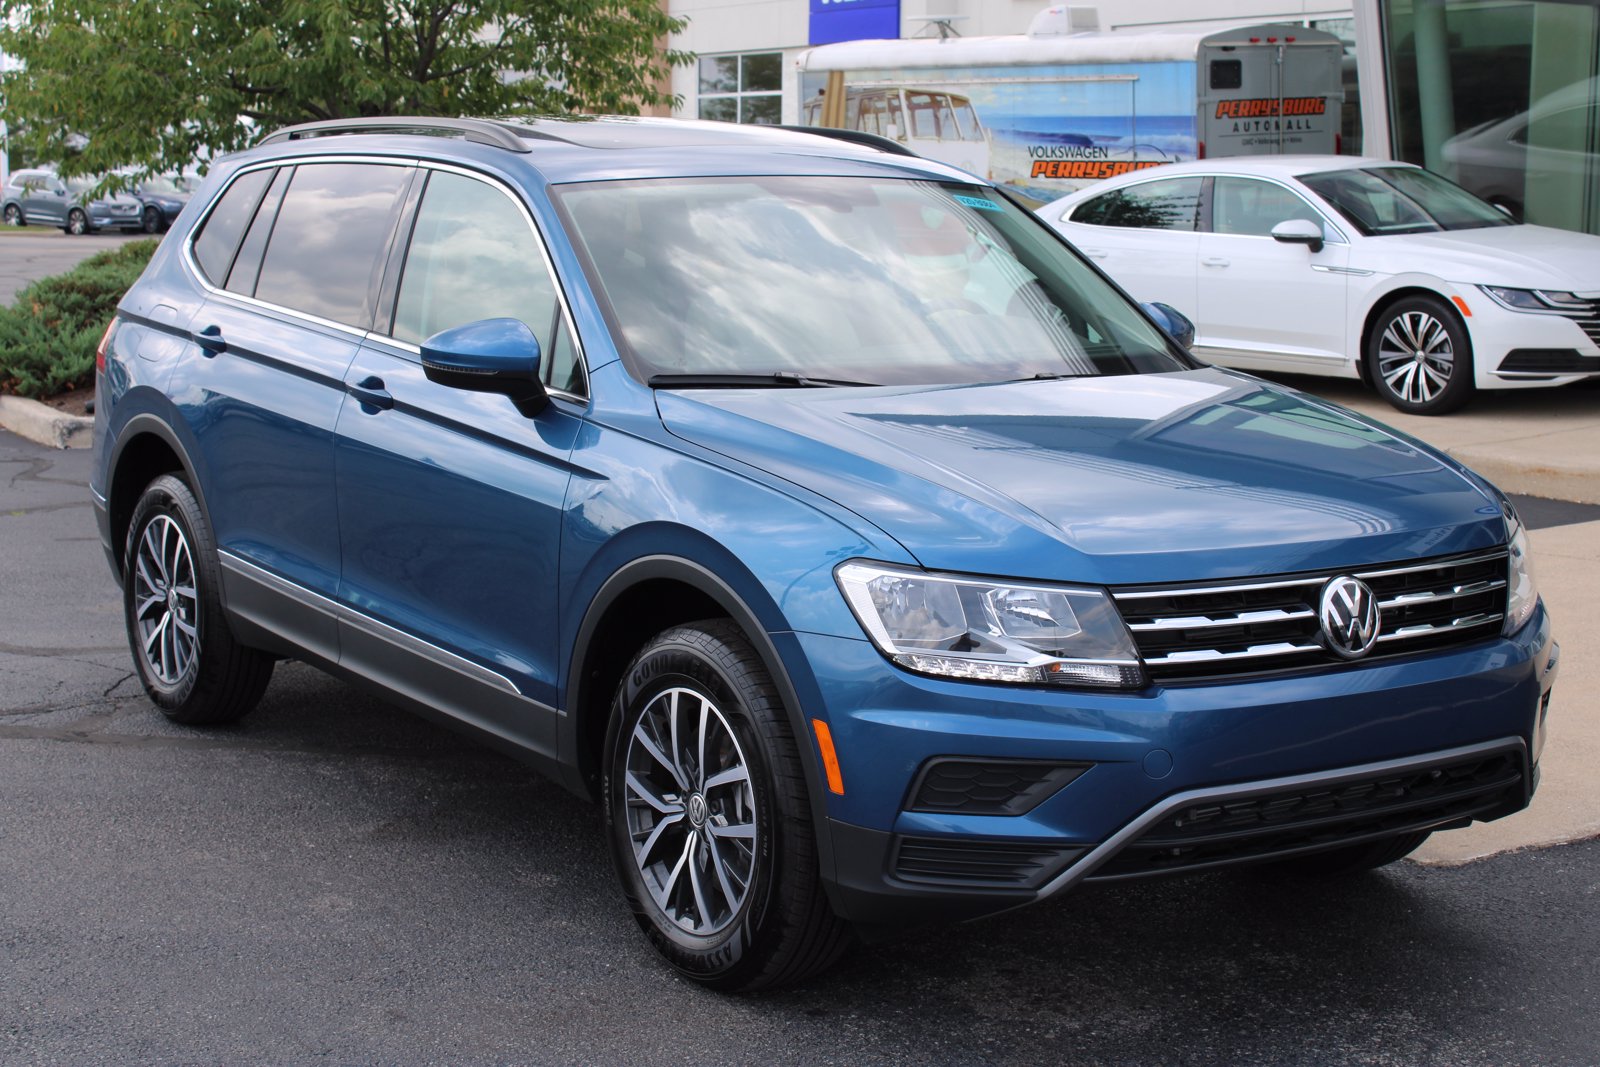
35	252
335	880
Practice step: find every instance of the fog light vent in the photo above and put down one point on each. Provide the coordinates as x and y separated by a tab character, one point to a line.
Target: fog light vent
989	787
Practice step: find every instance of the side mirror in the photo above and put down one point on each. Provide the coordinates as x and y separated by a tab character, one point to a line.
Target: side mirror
488	356
1174	322
1299	232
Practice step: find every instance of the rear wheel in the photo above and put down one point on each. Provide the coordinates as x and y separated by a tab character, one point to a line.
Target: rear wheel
1419	357
1352	859
77	222
150	221
14	215
187	658
709	818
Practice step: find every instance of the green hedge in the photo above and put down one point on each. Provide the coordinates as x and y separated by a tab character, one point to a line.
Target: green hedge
48	337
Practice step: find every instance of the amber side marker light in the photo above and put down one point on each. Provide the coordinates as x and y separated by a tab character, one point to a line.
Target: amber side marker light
830	760
1462	304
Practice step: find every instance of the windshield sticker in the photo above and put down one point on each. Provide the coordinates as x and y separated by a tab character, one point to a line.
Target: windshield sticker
978	202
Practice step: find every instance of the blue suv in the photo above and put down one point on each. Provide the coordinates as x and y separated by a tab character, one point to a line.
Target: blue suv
855	543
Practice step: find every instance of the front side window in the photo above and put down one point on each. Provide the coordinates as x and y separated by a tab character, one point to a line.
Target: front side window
1249	207
328	243
473	256
742	88
854	279
1173	204
1380	201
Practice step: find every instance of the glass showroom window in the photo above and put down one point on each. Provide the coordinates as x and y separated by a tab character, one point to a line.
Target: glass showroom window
1503	97
747	88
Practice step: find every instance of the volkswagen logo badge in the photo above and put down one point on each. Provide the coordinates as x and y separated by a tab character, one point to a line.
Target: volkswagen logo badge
1349	615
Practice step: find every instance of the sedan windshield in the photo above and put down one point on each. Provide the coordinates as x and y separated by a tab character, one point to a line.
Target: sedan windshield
791	280
1380	201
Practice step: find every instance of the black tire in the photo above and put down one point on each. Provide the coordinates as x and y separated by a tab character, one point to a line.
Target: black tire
77	223
781	929
150	221
1352	859
14	216
1439	379
198	677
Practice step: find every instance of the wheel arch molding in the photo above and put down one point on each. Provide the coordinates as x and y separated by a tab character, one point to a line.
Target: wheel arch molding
596	668
142	446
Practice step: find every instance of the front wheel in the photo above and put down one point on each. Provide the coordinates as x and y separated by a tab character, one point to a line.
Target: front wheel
77	223
709	818
150	221
187	658
1420	358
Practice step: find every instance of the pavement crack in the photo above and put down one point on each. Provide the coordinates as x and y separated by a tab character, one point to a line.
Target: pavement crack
114	685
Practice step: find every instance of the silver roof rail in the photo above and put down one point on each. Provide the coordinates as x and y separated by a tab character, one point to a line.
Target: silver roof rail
479	131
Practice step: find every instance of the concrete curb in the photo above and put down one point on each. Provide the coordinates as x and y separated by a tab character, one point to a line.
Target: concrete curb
44	424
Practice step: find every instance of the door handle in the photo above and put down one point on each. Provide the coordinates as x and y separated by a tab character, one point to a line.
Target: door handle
1095	253
210	341
1214	261
371	393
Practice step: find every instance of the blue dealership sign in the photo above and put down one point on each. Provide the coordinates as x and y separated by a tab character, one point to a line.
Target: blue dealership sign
854	20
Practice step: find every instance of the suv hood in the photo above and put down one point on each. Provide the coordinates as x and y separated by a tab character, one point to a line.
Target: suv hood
1523	257
1195	475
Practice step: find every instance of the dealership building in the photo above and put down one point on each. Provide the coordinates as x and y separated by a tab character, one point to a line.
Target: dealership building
1502	96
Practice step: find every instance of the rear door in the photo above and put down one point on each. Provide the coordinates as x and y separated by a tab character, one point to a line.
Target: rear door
1145	236
450	502
292	256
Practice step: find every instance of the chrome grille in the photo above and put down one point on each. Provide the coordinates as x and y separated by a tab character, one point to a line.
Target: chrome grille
1209	629
1588	319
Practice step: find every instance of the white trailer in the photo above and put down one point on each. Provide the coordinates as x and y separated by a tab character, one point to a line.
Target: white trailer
1046	113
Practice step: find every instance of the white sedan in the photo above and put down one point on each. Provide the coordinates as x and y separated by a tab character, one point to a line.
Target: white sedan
1348	267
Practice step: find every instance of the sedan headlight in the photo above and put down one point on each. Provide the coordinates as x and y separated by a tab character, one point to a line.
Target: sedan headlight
992	631
1535	299
1521	592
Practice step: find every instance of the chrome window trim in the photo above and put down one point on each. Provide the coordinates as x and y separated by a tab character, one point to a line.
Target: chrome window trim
199	276
1102	853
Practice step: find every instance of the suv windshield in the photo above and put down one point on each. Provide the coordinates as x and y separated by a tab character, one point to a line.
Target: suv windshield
1380	201
853	280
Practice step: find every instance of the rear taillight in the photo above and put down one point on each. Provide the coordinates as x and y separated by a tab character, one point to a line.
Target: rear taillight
1200	150
100	349
1338	144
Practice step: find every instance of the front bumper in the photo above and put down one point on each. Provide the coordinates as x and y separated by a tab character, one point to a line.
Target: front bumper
1471	718
1521	349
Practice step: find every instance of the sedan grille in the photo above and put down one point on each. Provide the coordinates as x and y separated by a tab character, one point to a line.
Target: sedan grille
1265	624
1588	319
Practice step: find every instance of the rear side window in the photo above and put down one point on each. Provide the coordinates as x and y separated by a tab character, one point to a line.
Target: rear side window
473	256
1173	204
247	264
219	237
328	244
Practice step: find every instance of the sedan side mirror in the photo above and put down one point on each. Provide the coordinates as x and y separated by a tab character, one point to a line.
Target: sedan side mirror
1299	232
488	356
1174	322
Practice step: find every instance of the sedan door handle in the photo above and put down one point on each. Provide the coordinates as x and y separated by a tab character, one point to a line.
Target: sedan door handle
1095	253
1214	261
210	341
371	393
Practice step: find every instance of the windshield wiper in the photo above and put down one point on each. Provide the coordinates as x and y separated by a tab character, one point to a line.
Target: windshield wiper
783	378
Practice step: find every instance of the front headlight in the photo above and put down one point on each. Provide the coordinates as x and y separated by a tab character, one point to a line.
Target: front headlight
1521	592
992	631
1535	299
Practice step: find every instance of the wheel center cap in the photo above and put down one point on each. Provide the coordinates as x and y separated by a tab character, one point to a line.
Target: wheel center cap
697	811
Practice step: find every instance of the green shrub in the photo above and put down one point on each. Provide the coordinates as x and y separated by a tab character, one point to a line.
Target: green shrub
48	337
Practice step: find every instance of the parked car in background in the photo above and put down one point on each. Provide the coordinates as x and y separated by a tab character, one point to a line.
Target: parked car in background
865	554
162	197
1349	267
37	197
1550	142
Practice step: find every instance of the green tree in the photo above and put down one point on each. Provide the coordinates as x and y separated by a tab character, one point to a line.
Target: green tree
151	83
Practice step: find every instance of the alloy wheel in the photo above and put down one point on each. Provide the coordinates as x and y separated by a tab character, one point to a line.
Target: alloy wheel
166	606
1416	357
690	810
77	224
13	215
